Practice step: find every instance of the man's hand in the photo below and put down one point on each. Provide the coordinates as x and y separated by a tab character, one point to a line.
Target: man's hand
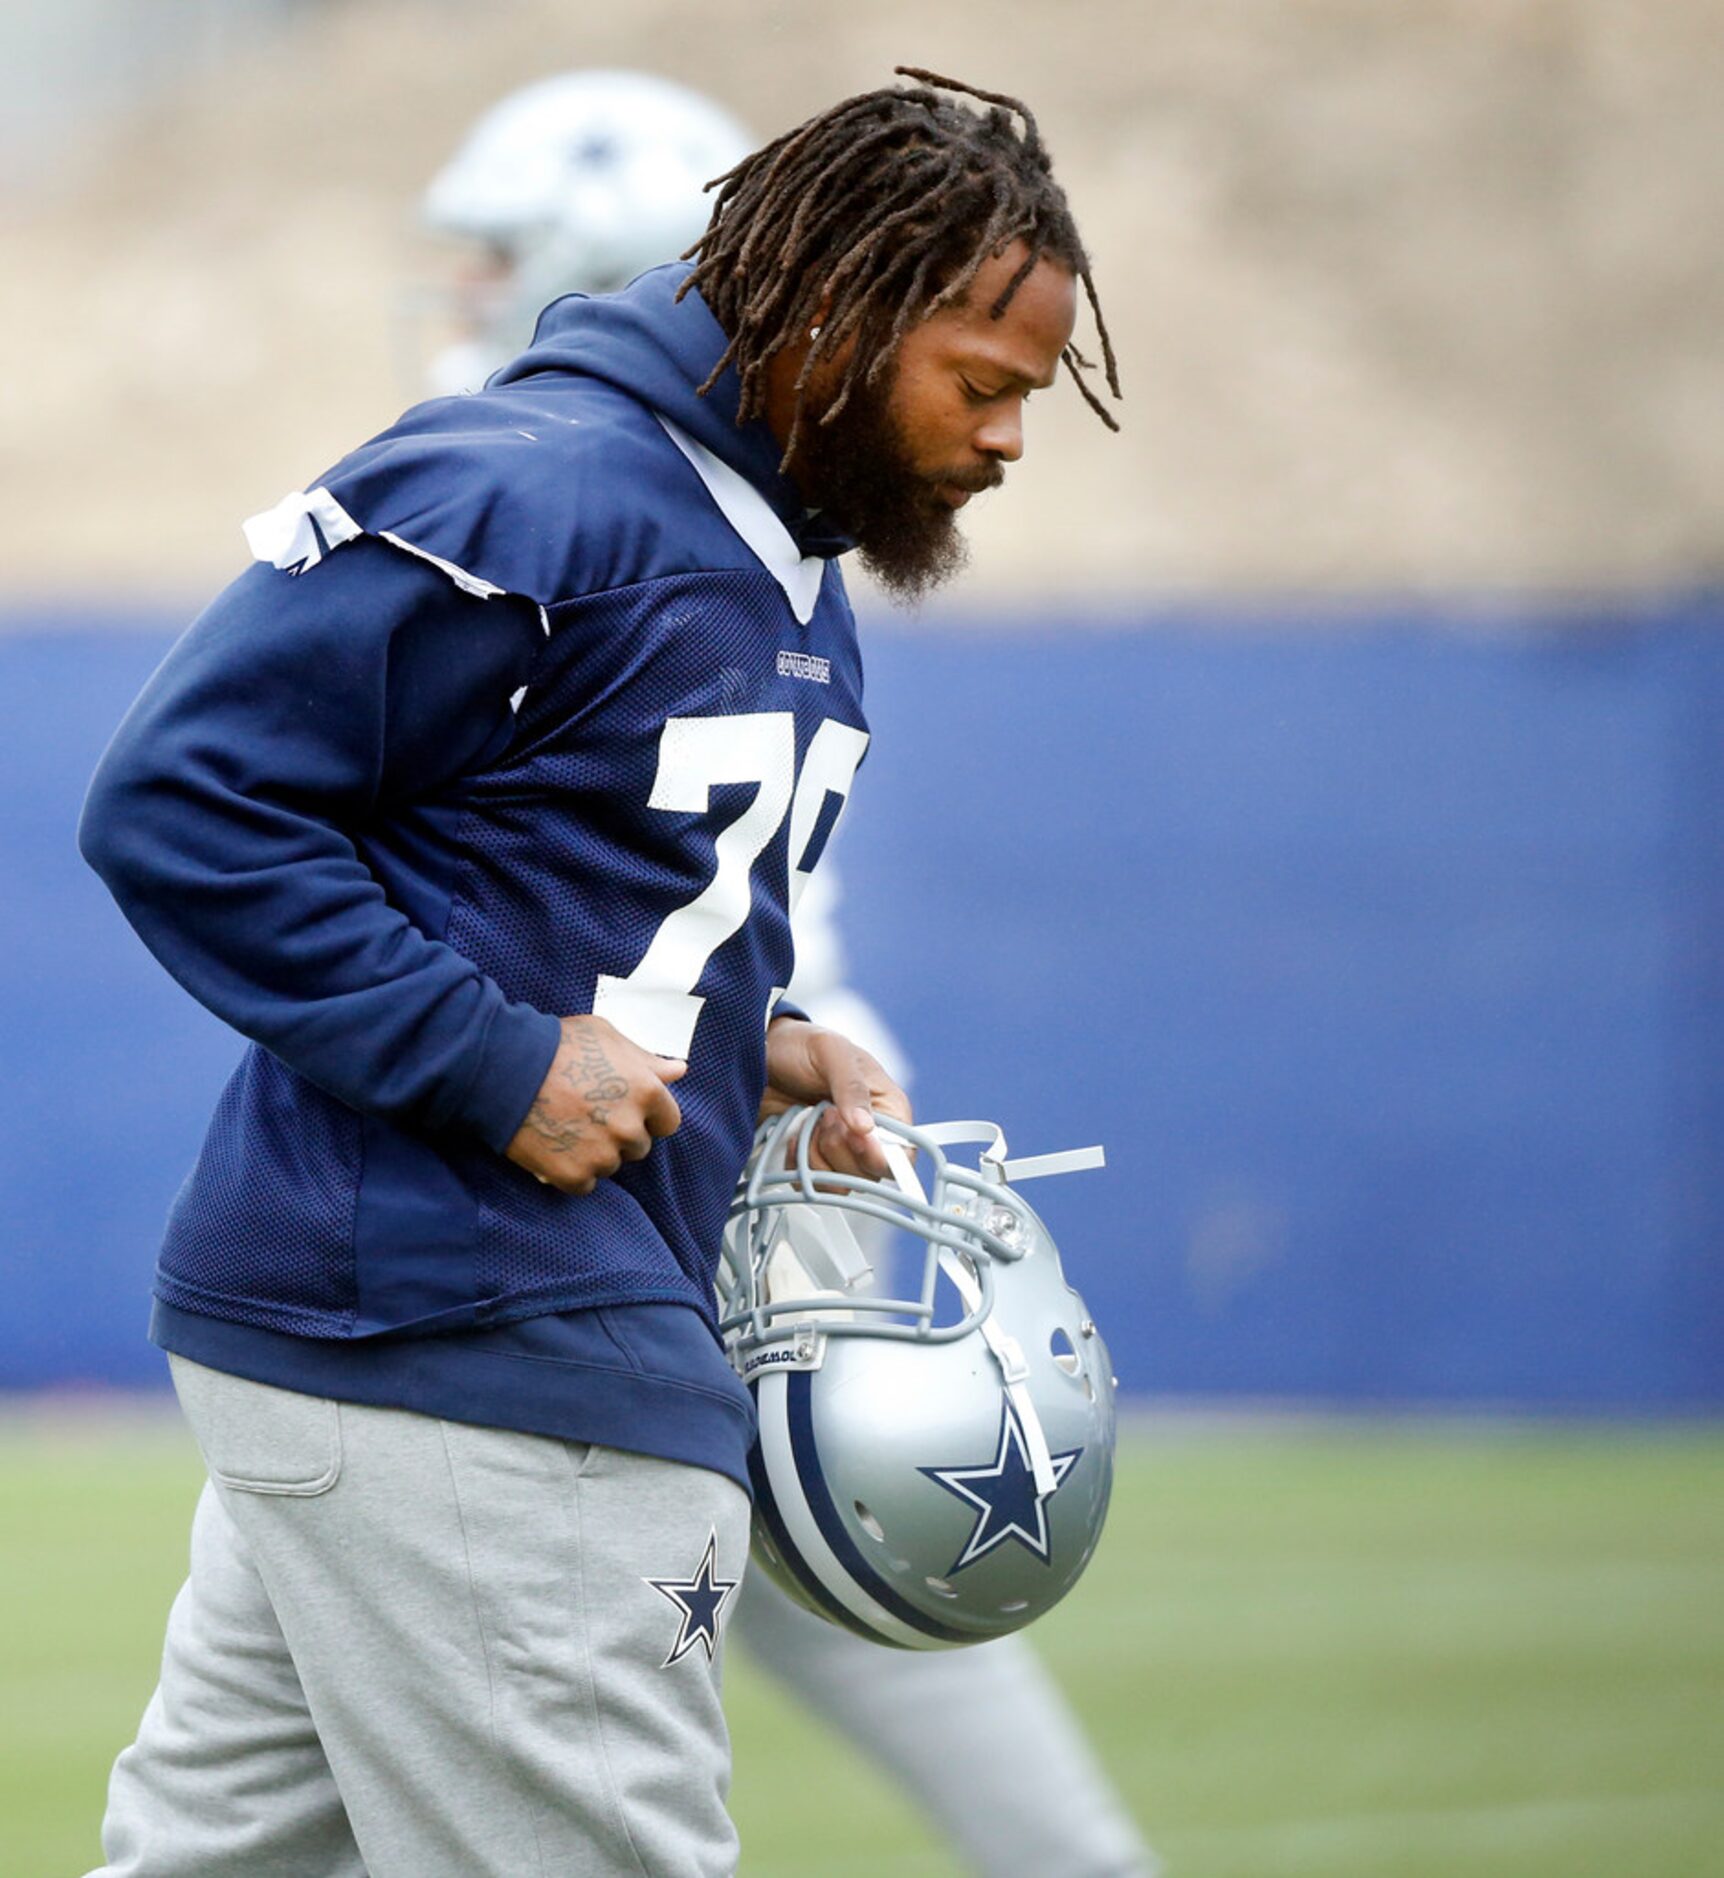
603	1101
807	1064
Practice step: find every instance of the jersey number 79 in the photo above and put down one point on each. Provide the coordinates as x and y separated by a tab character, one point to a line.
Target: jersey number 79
656	1005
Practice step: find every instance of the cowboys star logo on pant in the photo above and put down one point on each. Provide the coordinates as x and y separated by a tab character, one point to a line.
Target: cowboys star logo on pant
1004	1492
700	1600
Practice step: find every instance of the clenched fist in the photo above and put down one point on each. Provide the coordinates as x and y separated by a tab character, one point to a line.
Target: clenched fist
604	1101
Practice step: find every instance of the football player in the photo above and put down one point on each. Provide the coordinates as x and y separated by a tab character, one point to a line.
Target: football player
479	805
576	184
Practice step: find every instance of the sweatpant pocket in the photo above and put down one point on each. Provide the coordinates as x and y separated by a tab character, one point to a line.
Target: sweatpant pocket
257	1438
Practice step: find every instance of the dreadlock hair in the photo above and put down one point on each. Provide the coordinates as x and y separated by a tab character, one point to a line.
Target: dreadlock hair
882	209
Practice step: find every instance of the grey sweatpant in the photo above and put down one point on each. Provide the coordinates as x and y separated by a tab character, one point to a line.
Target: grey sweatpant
414	1649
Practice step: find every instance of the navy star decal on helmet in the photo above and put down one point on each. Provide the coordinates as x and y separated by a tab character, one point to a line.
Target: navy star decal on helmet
1012	1503
931	1469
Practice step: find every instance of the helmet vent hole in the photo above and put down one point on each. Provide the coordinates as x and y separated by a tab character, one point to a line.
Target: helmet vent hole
870	1524
1065	1352
940	1588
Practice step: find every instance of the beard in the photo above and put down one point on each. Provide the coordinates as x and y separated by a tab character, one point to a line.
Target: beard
858	470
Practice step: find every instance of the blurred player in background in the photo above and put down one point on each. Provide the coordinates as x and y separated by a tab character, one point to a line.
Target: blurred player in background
576	184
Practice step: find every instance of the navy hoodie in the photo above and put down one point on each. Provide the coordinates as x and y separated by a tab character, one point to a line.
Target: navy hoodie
544	701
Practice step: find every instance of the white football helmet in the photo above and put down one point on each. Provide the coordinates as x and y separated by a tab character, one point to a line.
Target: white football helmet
574	184
931	1469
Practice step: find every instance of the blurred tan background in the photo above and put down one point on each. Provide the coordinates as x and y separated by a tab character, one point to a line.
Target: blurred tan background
1422	295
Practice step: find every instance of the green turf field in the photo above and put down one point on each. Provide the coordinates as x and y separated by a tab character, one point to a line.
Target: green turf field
1365	1652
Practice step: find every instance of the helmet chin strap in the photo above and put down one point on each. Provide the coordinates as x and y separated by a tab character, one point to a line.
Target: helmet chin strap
994	1161
1007	1352
1067	1161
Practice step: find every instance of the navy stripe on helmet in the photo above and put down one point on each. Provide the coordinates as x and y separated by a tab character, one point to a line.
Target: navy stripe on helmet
766	1507
799	1404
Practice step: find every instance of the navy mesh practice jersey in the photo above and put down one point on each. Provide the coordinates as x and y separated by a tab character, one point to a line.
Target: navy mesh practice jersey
541	702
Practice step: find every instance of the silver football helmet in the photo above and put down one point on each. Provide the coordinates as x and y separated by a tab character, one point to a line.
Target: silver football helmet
931	1469
573	184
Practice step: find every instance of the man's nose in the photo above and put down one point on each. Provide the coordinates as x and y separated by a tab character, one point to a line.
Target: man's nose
1002	435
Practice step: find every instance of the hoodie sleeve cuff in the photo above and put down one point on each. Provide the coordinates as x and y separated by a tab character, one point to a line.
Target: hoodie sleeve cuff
516	1058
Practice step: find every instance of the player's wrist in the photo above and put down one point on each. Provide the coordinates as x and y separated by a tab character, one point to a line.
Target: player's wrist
520	1047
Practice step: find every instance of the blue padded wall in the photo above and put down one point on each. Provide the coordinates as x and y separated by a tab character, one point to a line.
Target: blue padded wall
1382	949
